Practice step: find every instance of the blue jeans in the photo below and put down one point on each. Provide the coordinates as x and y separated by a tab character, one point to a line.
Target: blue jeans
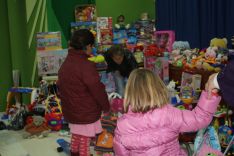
120	82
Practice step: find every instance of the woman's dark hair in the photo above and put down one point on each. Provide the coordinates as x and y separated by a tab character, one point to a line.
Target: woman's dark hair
116	50
81	38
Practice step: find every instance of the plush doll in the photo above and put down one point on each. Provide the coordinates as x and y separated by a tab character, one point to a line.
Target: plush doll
210	54
218	42
37	128
121	24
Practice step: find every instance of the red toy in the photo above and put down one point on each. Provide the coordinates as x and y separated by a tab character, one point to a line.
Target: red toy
54	121
153	50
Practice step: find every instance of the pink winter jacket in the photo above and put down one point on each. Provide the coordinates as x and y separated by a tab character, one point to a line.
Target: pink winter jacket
156	132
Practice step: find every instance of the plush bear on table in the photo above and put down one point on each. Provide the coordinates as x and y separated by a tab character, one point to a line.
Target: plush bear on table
219	42
37	128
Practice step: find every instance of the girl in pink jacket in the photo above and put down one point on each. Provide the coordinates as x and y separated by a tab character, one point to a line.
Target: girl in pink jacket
151	126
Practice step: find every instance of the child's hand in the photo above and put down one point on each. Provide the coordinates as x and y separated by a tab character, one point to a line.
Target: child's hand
210	86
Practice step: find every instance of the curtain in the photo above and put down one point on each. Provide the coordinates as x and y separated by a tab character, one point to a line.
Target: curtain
196	21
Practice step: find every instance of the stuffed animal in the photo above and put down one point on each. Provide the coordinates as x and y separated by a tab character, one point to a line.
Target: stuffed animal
37	128
218	42
182	45
97	59
210	54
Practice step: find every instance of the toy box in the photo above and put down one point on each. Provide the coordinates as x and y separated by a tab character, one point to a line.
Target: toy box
85	13
120	36
49	41
193	81
145	31
104	30
49	62
106	36
158	65
131	36
92	26
165	39
104	22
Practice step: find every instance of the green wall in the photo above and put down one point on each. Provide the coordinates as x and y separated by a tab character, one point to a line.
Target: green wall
5	56
20	22
131	9
61	14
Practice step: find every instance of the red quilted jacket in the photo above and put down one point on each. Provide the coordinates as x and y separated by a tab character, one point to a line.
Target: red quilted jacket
82	94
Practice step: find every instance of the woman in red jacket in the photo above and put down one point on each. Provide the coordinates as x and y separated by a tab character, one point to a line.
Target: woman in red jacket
83	96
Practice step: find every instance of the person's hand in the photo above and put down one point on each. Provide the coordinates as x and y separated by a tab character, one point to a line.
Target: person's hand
210	86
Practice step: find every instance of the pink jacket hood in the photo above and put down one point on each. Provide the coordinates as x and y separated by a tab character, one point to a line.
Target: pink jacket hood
156	132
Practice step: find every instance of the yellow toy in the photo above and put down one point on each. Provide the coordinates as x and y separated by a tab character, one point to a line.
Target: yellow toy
97	59
218	42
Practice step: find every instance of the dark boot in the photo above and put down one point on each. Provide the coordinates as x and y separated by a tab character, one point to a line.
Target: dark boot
74	154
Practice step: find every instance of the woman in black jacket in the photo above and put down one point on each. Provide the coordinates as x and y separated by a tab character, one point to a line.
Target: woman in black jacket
121	62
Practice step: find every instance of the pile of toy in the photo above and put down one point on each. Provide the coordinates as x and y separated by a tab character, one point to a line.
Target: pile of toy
42	115
212	58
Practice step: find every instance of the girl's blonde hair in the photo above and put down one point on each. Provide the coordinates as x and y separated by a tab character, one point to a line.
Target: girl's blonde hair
144	91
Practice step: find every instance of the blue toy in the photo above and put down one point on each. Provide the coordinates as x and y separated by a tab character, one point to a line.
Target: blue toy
64	146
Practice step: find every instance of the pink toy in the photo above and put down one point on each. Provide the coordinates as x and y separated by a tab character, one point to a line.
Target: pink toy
165	39
116	102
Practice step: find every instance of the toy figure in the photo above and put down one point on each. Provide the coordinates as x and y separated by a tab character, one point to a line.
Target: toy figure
173	95
120	23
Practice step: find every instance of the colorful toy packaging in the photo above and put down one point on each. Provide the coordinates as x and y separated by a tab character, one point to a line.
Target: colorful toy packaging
104	30
158	65
165	39
92	26
207	142
49	62
145	31
49	41
85	13
120	36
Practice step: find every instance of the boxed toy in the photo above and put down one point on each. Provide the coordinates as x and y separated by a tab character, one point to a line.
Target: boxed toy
104	22
131	36
92	26
49	41
106	36
165	39
104	30
145	31
120	36
49	62
189	80
85	13
158	65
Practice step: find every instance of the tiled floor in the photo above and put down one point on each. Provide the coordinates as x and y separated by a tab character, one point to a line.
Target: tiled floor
12	144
